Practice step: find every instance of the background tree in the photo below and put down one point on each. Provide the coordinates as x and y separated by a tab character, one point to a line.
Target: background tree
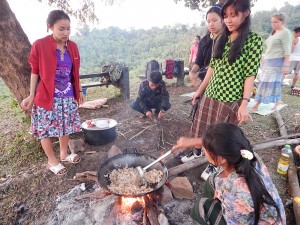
201	4
15	47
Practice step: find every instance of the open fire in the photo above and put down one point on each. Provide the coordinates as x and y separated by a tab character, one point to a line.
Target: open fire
140	210
128	202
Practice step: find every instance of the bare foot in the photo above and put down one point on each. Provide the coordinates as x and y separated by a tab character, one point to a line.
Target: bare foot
253	109
277	104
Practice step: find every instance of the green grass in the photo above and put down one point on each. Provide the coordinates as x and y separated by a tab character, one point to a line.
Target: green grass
17	148
4	91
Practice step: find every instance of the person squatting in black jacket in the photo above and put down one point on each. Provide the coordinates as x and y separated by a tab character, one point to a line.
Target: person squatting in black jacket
153	94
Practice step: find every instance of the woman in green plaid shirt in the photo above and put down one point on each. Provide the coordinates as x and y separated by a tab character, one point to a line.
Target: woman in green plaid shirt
226	89
225	93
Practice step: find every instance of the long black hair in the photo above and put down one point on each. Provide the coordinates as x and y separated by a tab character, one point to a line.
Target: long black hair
215	9
54	16
236	47
227	140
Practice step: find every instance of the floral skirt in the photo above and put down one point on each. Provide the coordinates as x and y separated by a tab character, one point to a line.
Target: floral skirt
63	119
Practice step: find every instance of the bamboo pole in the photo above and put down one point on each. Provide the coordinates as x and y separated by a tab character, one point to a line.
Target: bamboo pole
280	122
271	143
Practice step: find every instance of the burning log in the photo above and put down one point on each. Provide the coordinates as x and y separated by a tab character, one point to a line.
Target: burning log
152	214
145	217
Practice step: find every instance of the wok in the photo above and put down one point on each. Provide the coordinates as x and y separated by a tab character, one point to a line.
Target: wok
129	160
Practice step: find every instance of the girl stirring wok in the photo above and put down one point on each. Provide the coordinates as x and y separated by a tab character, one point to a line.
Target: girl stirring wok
242	192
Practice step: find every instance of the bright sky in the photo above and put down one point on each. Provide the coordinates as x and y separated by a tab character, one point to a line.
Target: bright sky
145	14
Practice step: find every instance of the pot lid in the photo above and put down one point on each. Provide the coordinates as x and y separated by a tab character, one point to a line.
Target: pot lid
99	124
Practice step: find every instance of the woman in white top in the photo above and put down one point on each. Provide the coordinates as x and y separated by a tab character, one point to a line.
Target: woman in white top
295	56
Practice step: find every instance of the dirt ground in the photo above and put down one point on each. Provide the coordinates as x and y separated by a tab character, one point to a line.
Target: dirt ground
30	197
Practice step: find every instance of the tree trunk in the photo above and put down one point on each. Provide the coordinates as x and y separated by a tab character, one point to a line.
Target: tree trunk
15	48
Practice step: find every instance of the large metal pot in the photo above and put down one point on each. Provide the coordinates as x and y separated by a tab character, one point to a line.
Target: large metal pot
129	160
102	133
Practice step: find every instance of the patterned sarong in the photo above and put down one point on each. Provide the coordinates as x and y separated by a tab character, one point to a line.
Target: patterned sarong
270	82
211	111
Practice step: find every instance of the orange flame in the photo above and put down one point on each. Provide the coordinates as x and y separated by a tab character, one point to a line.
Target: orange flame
128	202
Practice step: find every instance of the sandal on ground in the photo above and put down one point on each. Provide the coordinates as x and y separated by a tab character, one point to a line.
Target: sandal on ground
72	158
59	169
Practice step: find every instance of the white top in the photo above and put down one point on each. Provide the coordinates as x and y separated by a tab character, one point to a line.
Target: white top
295	55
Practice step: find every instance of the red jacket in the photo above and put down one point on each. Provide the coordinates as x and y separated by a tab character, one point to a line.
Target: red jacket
43	62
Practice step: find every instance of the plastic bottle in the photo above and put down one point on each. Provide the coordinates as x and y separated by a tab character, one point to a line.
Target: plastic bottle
284	160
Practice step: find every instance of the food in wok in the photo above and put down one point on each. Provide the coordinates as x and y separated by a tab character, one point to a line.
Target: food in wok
128	181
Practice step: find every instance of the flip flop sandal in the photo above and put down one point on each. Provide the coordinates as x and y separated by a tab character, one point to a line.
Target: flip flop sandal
71	158
59	169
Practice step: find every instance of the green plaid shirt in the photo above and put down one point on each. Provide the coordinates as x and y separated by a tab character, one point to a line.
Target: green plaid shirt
227	82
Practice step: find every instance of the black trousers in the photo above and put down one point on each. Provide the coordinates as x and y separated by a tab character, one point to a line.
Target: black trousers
157	106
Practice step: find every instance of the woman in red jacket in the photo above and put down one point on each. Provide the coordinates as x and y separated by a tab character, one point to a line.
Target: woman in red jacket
55	90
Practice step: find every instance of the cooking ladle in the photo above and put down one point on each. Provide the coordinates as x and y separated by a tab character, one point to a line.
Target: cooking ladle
142	170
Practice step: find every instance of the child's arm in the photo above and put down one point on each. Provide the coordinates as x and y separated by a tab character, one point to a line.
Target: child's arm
184	143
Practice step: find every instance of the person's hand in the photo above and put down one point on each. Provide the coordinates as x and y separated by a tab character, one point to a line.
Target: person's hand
193	78
26	104
285	70
149	114
81	98
243	115
161	115
183	143
196	97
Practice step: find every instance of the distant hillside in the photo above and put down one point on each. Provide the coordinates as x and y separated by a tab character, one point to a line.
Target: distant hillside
134	47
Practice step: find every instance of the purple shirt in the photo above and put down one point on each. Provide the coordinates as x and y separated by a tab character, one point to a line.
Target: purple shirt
63	83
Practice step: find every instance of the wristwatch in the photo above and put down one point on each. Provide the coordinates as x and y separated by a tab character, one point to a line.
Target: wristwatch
246	99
